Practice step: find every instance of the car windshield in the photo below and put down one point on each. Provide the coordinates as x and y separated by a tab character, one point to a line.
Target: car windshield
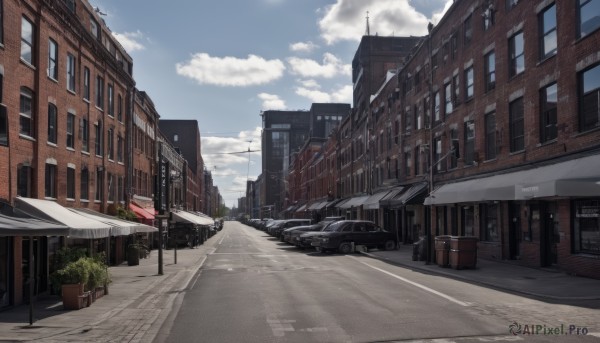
333	227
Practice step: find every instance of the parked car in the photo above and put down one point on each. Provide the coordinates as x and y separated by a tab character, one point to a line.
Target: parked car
343	235
291	235
285	224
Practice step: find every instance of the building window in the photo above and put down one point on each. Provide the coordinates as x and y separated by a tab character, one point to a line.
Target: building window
119	148
120	108
71	5
456	86
70	183
490	136
448	97
86	83
454	46
469	83
517	125
26	114
70	130
418	117
1	21
52	59
589	99
121	189
85	184
516	46
438	153
586	228
24	181
490	71
469	142
436	109
3	125
588	16
98	139
110	144
418	160
111	100
50	185
94	28
407	121
468	30
52	123
511	3
84	134
99	184
548	39
71	72
111	187
489	17
489	223
407	163
27	41
455	146
548	113
100	92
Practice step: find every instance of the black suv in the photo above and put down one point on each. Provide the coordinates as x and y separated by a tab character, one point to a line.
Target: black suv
343	235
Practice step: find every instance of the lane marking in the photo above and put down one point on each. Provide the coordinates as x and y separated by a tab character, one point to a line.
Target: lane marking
222	238
423	287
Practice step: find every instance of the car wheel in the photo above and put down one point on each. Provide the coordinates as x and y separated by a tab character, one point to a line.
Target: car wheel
345	248
318	249
389	245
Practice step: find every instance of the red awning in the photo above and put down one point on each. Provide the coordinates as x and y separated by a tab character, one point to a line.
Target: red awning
140	212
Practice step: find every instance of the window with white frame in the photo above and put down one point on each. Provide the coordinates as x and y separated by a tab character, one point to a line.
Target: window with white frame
70	182
516	125
86	83
27	40
548	113
589	99
52	123
516	45
52	59
71	66
588	16
70	130
50	184
469	83
26	113
548	36
490	71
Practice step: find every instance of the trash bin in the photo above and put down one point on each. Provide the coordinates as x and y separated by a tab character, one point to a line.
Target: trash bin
442	250
463	252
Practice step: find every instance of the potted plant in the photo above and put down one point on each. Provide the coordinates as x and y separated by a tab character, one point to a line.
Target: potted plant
72	278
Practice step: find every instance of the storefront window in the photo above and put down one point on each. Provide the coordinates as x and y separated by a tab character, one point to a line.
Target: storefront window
489	223
587	227
468	220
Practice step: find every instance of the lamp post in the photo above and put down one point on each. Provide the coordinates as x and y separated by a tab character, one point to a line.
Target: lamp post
429	211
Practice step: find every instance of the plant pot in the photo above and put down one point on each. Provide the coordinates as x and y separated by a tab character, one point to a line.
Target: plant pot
133	256
72	296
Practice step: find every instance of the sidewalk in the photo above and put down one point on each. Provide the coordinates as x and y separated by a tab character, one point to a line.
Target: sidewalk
541	283
138	303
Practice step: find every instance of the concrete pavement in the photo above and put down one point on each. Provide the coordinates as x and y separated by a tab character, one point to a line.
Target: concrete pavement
140	301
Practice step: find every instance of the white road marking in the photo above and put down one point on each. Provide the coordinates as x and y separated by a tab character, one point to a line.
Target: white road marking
423	287
222	238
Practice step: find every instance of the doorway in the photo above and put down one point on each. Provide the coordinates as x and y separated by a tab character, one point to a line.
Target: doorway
549	236
514	231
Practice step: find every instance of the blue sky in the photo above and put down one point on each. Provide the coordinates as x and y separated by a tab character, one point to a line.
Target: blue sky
222	62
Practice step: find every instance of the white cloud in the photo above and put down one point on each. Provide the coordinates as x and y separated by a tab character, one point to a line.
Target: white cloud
331	67
309	83
231	71
345	20
437	16
342	94
271	102
227	157
130	40
303	46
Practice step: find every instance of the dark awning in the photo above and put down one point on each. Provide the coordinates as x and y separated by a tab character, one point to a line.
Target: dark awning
574	178
27	226
411	195
372	202
353	202
385	201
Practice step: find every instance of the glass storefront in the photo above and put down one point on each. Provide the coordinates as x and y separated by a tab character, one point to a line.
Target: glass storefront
586	235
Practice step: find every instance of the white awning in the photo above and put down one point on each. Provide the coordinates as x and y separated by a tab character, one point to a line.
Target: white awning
79	226
188	217
120	227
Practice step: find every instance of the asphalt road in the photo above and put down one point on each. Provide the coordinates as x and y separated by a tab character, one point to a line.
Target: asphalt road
253	288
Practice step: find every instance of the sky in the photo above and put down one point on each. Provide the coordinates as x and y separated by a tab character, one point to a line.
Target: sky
223	62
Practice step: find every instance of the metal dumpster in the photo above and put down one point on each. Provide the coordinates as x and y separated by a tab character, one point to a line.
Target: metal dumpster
442	250
463	252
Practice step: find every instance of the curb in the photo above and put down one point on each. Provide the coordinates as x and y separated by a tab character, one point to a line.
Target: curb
478	282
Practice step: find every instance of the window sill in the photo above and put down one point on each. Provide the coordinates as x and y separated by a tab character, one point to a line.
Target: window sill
71	91
490	160
121	163
85	153
548	142
70	200
547	58
28	65
112	116
100	156
587	255
70	149
52	144
85	201
99	109
111	160
29	138
53	79
86	100
50	198
97	201
522	151
579	134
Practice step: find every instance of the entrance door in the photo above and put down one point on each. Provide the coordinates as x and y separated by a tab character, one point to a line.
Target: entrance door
514	231
40	266
550	237
5	271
